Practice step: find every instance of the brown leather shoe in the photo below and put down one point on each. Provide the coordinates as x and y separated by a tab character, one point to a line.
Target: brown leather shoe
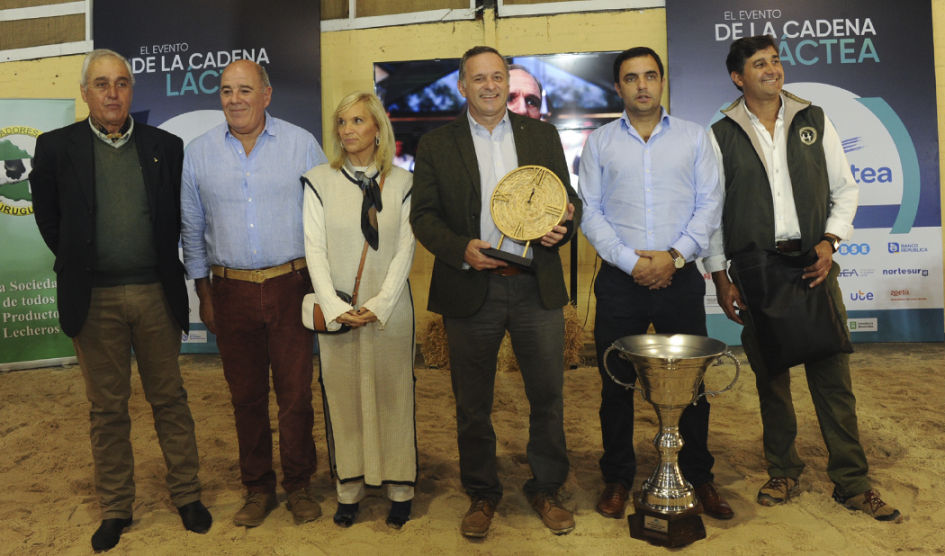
302	506
613	501
712	502
254	511
555	517
478	519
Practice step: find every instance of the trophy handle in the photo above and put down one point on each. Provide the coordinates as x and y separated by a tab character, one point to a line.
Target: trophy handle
625	385
738	368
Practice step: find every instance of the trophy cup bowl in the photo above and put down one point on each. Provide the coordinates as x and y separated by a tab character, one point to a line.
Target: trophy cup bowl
670	369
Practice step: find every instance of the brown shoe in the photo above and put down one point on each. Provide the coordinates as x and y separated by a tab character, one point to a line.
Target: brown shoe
254	511
478	518
555	517
871	504
613	501
778	490
303	508
712	502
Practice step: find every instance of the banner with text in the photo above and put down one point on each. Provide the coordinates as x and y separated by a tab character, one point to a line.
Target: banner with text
30	335
177	50
837	53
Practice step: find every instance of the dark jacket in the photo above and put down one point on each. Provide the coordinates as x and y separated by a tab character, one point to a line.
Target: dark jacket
445	213
63	187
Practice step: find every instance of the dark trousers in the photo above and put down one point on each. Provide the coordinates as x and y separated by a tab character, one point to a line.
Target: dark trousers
832	393
537	334
122	317
625	309
259	325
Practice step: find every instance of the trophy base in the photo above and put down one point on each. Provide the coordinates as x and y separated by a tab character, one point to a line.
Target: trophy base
521	263
668	530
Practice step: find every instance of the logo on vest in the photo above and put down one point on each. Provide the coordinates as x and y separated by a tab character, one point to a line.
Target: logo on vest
808	135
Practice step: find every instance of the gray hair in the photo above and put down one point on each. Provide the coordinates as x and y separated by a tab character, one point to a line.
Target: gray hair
101	53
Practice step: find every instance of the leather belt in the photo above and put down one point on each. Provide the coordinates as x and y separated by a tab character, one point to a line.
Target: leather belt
257	276
506	271
790	246
687	265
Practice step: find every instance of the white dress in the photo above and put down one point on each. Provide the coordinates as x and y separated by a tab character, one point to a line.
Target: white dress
367	373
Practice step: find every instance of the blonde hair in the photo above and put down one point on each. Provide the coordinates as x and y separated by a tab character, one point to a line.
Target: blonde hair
384	154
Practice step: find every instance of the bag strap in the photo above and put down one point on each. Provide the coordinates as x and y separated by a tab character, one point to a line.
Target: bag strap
357	280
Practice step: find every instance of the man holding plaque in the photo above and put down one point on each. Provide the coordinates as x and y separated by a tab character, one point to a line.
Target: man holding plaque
480	297
788	187
651	195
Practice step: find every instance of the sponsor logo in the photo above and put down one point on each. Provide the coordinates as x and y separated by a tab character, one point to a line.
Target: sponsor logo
856	272
195	337
808	135
906	248
16	197
904	295
861	296
862	325
905	271
854	248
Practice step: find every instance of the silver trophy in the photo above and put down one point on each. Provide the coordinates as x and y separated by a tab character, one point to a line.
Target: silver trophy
670	369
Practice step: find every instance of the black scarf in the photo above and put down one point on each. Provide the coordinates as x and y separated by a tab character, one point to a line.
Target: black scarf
370	206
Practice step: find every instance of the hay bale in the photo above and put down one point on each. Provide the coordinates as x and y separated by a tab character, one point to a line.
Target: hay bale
436	350
507	362
573	336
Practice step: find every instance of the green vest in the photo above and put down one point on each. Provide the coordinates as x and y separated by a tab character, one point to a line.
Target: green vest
748	211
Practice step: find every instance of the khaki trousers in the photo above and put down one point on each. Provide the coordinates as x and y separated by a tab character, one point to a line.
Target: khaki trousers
121	318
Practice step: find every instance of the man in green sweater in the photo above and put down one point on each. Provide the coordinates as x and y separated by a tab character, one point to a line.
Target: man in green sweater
106	194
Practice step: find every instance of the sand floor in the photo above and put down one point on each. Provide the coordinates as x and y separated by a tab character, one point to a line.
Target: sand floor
48	505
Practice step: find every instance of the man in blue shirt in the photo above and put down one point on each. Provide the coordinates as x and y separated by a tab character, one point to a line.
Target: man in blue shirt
651	196
241	206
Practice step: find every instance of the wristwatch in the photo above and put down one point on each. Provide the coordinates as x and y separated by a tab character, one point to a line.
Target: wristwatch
834	242
678	260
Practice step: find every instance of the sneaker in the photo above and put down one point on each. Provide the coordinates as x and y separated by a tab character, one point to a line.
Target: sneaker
553	515
869	503
303	508
257	507
478	518
778	490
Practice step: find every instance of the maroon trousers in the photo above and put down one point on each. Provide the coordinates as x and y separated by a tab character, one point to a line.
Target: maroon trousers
258	326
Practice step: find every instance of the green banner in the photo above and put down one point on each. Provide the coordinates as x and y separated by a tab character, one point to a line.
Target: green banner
30	335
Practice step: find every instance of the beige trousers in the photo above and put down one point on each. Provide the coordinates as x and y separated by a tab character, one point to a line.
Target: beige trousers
121	318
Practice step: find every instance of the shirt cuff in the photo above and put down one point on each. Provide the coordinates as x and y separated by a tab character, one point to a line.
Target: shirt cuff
839	228
715	263
686	247
626	260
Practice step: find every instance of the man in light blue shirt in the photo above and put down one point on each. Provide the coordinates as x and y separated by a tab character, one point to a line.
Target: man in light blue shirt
651	196
241	210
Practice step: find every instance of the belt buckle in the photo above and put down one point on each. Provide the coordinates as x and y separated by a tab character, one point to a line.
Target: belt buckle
258	276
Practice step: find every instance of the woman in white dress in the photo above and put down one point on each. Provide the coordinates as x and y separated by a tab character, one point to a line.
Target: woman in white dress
367	373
